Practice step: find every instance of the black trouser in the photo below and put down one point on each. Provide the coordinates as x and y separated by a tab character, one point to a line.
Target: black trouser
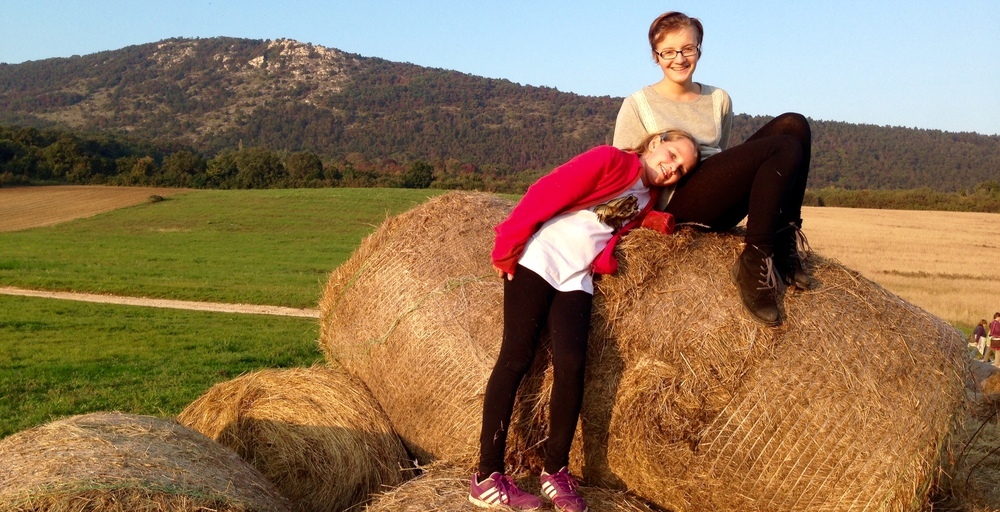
763	179
529	304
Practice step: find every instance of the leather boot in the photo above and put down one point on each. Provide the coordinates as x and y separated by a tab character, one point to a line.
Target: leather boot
757	282
790	251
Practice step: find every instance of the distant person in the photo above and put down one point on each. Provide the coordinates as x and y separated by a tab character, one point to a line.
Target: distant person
763	179
547	251
995	337
979	338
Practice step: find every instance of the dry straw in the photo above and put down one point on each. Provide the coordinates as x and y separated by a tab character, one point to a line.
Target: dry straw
316	433
444	487
115	462
689	402
990	385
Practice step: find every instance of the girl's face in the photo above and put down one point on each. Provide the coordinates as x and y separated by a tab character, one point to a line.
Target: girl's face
666	162
680	69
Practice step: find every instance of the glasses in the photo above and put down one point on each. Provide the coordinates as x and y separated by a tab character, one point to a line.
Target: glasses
671	54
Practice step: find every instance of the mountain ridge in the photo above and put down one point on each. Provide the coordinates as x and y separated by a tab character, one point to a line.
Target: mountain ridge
217	94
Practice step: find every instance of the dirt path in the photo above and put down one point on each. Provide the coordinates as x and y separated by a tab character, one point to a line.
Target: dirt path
217	307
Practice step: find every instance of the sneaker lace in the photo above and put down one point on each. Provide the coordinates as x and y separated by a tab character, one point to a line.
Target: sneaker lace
507	488
564	482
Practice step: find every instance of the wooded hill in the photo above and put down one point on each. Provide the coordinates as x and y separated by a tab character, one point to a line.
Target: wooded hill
222	96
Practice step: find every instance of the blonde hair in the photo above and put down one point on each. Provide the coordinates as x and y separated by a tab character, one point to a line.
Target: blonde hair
668	136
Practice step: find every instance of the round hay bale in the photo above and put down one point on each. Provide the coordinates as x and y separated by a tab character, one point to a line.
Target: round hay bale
116	462
444	487
316	433
425	307
689	402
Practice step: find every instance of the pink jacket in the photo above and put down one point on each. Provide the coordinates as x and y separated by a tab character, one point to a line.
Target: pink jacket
590	178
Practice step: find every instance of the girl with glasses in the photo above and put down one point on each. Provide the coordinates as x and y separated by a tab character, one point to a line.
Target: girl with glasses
762	179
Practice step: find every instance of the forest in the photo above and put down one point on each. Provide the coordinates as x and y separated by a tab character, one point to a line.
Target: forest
239	113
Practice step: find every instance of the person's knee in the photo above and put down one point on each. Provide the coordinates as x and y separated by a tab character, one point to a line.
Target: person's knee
514	365
796	125
789	146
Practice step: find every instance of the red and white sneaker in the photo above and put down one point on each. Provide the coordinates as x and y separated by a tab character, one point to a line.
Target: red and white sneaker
499	490
561	488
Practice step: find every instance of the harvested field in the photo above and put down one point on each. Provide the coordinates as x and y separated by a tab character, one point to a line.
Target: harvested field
33	207
944	262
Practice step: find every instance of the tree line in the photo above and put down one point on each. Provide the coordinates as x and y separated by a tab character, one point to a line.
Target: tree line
49	156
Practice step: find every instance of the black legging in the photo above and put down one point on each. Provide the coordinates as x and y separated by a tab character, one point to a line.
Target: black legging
529	304
763	179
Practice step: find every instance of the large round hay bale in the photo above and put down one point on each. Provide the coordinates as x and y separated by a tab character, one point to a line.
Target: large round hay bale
425	307
689	402
316	433
115	462
444	487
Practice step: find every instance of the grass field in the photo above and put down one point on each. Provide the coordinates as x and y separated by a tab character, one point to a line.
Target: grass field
271	247
60	358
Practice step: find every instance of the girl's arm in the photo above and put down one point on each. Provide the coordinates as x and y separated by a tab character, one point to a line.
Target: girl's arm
571	185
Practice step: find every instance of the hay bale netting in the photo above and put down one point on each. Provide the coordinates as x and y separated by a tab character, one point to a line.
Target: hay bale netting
415	314
689	402
444	487
116	462
316	433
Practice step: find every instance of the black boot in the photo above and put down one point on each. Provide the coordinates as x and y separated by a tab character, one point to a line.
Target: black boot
757	282
790	251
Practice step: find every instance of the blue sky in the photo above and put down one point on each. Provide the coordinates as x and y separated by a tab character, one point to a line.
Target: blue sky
918	64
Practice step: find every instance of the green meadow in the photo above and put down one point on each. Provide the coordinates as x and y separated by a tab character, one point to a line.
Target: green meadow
274	247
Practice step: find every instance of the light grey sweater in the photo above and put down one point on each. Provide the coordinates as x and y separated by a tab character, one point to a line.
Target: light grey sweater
709	118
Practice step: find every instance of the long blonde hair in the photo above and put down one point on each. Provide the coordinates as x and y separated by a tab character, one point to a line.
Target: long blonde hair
668	136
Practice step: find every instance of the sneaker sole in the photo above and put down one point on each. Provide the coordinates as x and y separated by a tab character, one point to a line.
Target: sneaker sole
483	504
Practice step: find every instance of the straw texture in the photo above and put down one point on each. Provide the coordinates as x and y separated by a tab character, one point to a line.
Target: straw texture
113	462
316	433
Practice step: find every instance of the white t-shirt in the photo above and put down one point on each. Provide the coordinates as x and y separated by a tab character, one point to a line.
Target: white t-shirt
564	248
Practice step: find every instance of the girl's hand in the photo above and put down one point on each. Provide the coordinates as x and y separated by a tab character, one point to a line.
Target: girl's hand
501	274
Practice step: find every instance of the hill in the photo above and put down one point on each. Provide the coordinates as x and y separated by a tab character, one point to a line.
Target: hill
219	94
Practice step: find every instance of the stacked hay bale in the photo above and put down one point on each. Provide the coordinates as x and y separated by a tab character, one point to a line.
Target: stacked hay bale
116	462
444	487
316	433
689	402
